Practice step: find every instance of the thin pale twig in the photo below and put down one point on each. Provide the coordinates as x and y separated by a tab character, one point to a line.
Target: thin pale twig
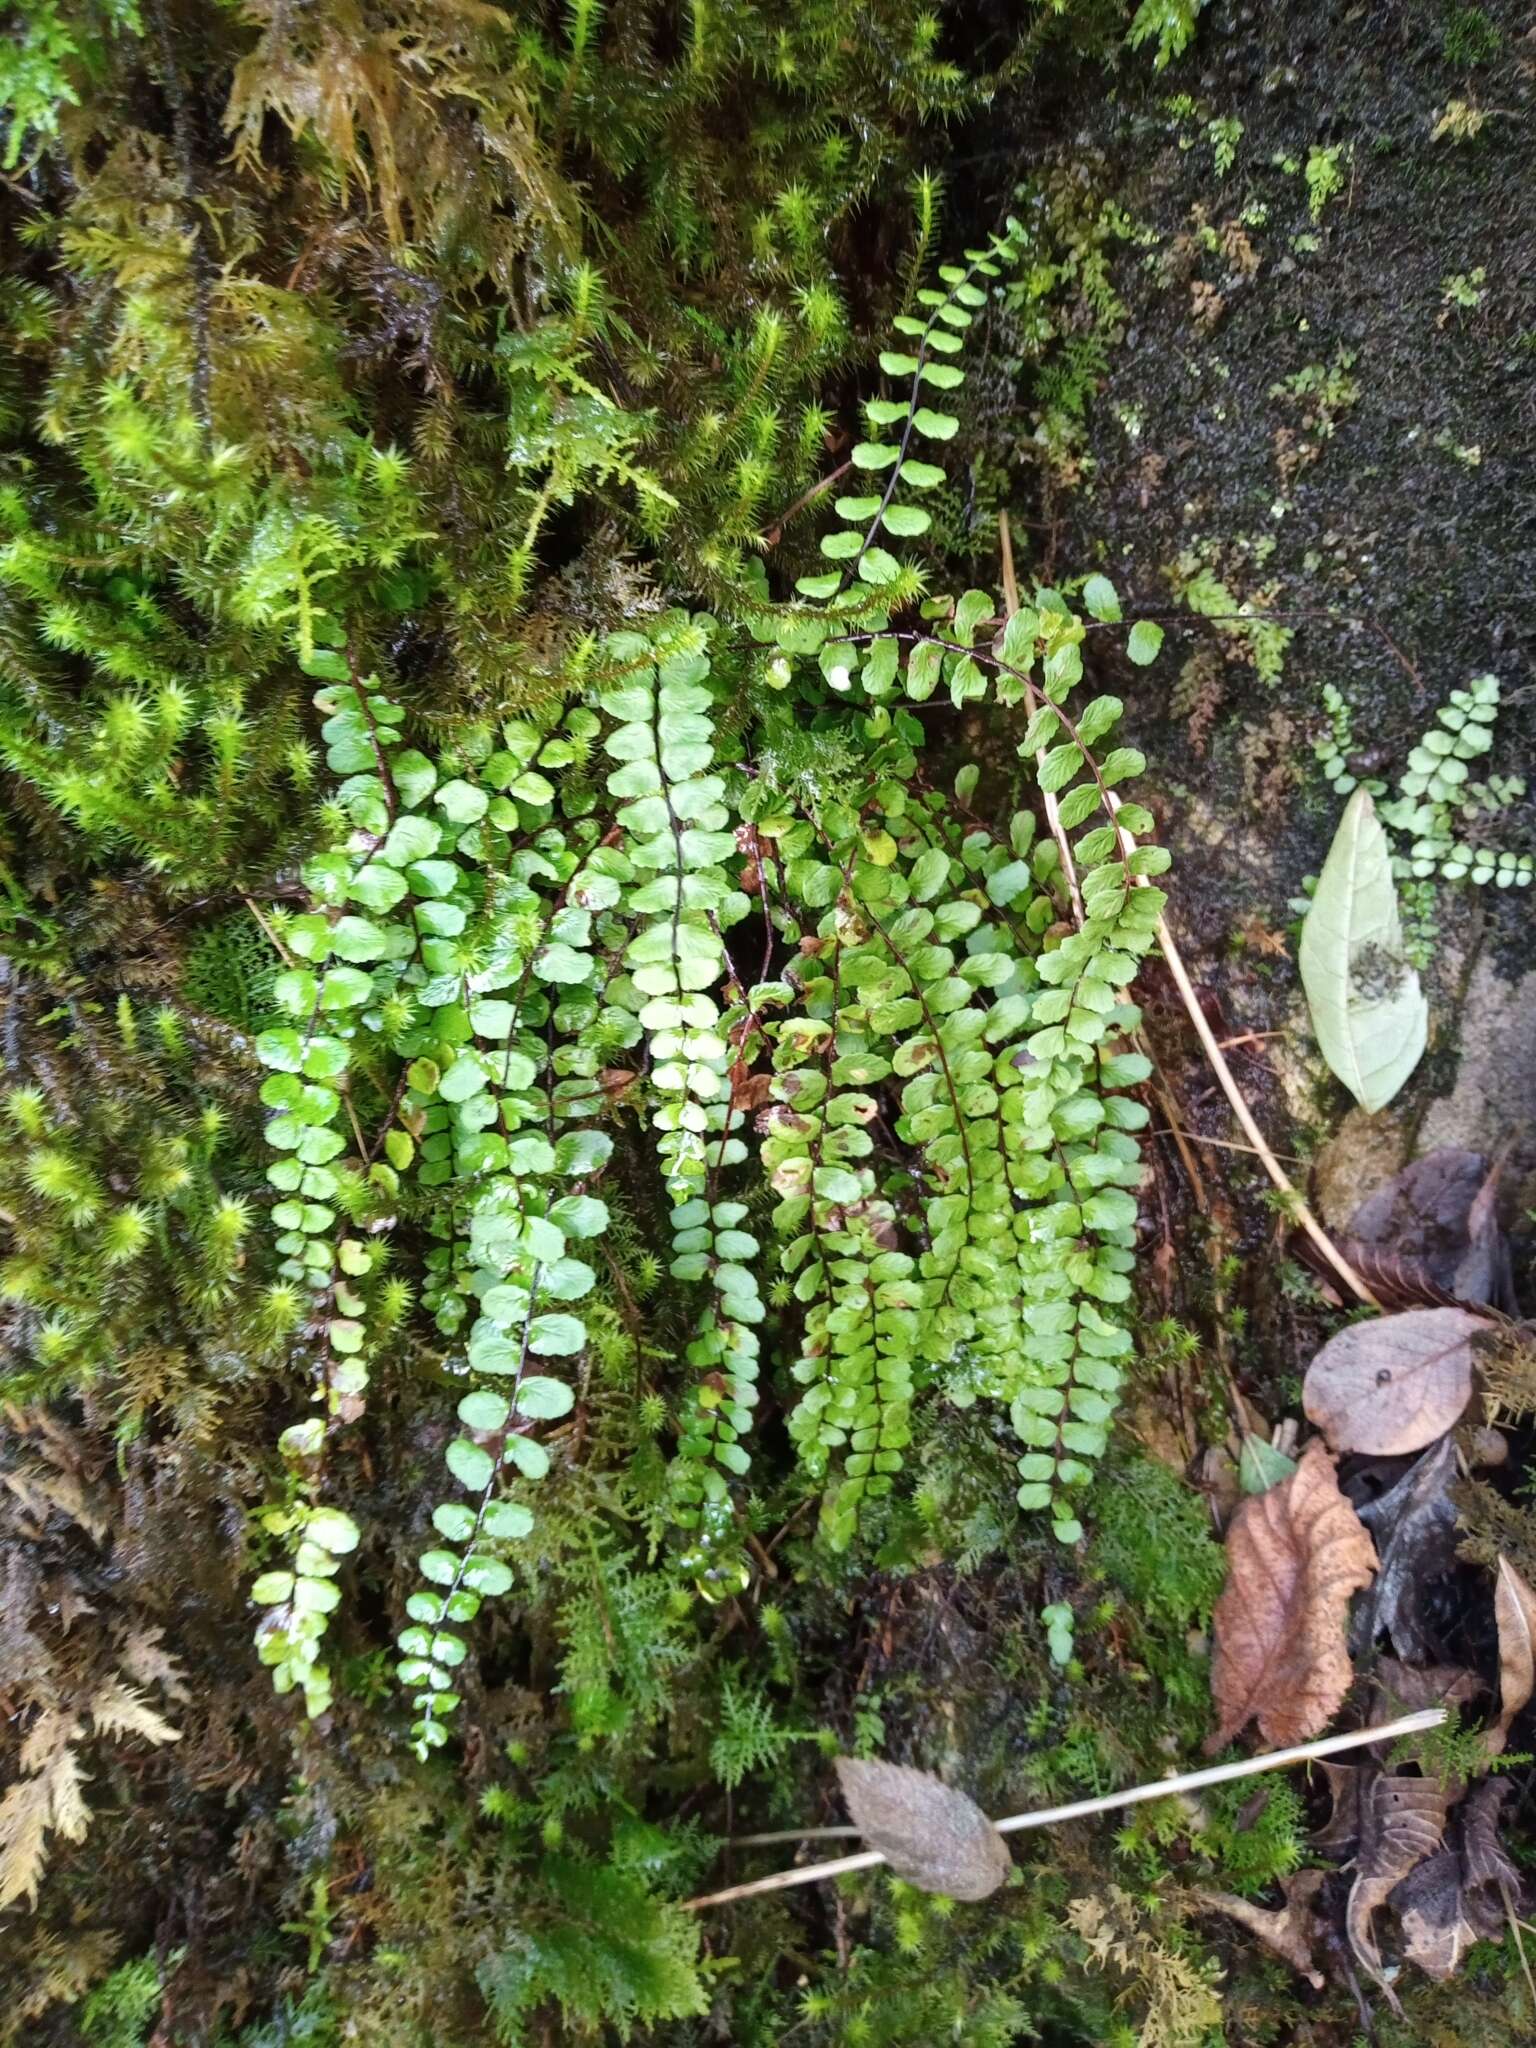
1079	1809
1515	1925
1222	1144
282	951
1295	1204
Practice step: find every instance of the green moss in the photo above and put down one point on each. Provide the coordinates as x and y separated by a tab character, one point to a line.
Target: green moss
228	970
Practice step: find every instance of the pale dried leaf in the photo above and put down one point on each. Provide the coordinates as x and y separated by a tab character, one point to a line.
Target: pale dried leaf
49	1734
66	1599
1394	1384
117	1709
146	1663
1290	1931
931	1835
24	1814
1403	1824
1514	1609
71	1815
1295	1555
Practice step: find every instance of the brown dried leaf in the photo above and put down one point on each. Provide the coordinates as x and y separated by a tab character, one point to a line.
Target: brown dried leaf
1290	1931
931	1835
1408	1687
1431	1234
1514	1609
1341	1831
1403	1825
1395	1384
1294	1557
749	1091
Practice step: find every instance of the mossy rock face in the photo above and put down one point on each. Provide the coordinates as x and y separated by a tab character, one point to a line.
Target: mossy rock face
1298	408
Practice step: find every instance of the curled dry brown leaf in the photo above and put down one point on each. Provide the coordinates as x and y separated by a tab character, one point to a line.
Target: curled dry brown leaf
1432	1905
1295	1555
930	1834
1449	1885
1485	1866
1514	1609
1394	1384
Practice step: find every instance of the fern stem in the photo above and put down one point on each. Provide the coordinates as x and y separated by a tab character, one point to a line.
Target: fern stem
1032	701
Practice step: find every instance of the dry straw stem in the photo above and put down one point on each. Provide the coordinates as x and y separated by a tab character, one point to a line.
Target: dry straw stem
1296	1207
1160	1788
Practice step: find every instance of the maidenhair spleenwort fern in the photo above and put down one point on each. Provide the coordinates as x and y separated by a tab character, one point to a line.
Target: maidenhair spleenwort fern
804	963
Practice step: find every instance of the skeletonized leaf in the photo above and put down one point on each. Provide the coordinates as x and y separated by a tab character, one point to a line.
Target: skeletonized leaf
931	1835
1295	1555
1514	1609
1368	1009
1290	1931
1395	1384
